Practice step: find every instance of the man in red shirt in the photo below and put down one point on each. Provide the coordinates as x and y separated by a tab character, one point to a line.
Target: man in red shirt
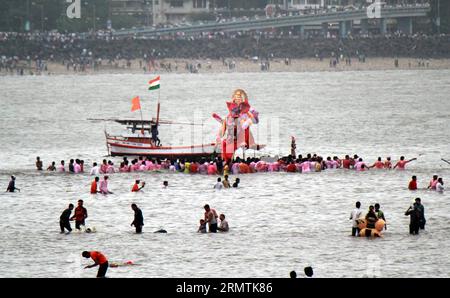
80	215
99	259
402	163
413	183
346	162
291	168
94	186
193	168
136	187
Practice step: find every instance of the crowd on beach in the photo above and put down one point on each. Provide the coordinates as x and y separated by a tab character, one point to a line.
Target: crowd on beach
31	53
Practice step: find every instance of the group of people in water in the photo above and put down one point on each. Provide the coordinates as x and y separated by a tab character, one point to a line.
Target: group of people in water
436	183
215	165
416	212
213	222
210	219
80	214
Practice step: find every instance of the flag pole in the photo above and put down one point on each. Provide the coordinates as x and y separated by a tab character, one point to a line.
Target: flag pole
157	113
142	119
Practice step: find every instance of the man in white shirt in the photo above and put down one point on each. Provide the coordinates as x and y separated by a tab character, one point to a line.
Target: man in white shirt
354	216
95	170
223	224
440	185
219	184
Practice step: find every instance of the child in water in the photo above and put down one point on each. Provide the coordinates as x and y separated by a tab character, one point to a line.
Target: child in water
202	228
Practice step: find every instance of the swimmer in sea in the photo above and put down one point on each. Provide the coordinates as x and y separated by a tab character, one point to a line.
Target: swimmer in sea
236	182
402	163
413	183
94	186
433	182
61	167
226	182
104	186
380	214
136	187
223	227
123	264
309	271
165	184
51	167
440	185
378	164
387	163
38	163
202	227
12	185
219	184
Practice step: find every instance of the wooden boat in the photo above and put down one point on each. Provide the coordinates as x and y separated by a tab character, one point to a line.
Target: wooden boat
137	141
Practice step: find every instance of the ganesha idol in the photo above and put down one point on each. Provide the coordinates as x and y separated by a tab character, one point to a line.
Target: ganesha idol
235	131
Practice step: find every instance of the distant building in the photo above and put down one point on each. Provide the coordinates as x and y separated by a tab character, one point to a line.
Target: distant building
153	12
156	12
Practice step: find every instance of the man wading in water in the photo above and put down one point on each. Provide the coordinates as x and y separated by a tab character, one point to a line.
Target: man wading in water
211	218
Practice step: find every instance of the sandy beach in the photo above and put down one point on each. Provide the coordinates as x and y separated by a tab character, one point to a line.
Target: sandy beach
241	66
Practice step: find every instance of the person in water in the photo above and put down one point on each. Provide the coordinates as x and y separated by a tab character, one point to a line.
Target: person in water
223	224
413	183
202	227
219	184
433	182
165	184
226	182
414	216
371	218
309	271
378	164
38	163
61	167
94	185
388	163
12	185
64	219
52	167
71	166
440	185
136	187
99	260
380	214
95	169
211	218
354	216
293	274
402	163
138	221
80	215
104	186
236	182
421	209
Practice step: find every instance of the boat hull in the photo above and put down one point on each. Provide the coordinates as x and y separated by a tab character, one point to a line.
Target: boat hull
120	147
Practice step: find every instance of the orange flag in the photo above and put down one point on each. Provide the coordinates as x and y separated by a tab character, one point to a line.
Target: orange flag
135	104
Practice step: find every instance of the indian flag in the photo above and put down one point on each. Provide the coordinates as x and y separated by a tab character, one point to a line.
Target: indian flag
154	84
